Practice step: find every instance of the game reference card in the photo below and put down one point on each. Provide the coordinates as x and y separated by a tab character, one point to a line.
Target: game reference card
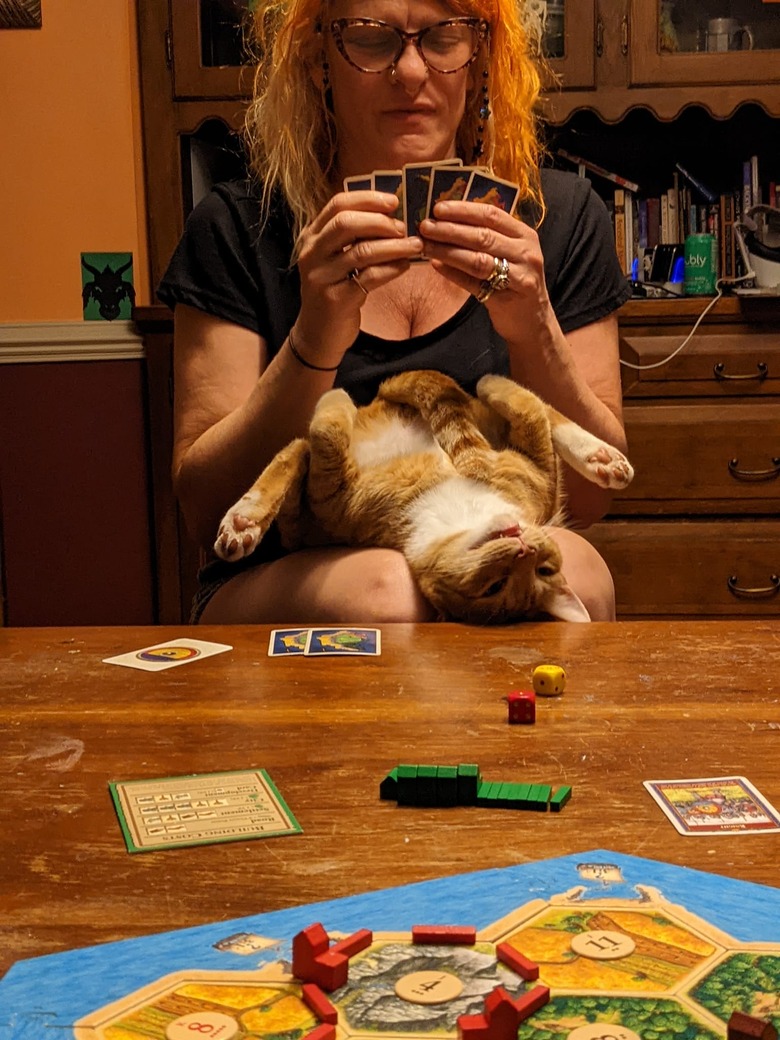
202	809
715	805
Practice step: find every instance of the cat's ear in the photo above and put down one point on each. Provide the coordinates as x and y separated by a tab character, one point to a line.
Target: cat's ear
565	605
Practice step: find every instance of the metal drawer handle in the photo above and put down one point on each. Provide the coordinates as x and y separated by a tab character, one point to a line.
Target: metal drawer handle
756	475
720	374
766	593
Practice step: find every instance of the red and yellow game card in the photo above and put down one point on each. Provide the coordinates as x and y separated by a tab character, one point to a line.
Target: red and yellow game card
715	805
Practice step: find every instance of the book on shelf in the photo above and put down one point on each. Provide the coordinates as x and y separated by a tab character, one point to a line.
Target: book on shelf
641	223
619	220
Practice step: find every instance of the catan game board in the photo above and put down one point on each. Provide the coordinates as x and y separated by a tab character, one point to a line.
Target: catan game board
631	949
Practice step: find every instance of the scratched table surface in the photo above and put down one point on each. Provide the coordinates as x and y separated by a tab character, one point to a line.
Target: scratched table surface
644	700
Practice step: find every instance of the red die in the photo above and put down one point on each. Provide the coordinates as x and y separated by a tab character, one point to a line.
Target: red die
522	706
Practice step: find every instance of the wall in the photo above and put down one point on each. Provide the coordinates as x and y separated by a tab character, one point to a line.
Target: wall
72	176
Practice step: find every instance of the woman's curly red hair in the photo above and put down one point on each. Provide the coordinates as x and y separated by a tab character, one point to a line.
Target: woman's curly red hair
290	134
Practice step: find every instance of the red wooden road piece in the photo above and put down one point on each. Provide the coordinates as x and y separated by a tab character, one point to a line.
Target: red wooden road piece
324	1031
353	943
531	1001
330	971
519	964
316	1001
444	934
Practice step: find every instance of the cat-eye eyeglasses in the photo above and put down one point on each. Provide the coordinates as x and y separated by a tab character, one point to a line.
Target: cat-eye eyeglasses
373	46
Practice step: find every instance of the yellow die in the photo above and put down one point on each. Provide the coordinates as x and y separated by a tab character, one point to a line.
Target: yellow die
549	680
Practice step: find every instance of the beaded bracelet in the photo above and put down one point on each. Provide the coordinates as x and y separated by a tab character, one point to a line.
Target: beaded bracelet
302	360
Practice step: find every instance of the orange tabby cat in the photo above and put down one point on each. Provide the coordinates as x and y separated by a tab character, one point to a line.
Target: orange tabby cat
464	487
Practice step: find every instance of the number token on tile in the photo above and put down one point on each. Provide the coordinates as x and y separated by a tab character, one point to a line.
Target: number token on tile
602	1031
428	987
210	1025
603	945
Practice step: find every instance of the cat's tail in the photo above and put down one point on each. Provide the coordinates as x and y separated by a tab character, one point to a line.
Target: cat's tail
441	403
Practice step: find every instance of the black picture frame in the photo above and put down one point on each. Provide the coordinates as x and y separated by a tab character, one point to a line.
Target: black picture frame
20	14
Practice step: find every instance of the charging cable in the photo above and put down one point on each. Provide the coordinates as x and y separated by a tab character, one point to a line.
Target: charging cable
720	285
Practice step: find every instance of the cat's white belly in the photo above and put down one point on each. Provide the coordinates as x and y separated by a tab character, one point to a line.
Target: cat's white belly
393	439
456	505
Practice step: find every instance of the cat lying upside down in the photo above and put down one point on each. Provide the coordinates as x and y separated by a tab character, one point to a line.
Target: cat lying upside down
466	488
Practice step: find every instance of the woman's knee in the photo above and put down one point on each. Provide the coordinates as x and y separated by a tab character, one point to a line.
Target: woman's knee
367	586
384	590
587	574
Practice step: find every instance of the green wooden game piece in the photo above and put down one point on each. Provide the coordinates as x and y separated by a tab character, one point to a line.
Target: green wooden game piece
447	785
512	797
407	784
560	798
485	793
388	789
522	796
468	783
427	790
540	796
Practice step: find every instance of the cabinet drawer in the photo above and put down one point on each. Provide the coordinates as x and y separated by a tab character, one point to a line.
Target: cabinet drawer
703	458
714	364
715	568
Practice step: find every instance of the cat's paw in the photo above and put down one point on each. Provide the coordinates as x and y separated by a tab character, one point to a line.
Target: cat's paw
609	468
334	400
240	531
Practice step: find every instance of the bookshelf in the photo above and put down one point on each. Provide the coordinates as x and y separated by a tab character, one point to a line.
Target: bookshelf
691	176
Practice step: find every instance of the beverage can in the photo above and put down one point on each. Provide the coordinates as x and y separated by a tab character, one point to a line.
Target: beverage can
701	265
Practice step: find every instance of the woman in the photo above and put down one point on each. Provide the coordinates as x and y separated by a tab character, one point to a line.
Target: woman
289	288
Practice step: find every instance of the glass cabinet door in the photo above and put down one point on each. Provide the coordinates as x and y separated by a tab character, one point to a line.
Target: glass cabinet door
568	40
705	41
209	57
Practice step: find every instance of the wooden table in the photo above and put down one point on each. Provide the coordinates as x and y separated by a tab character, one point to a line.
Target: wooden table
645	700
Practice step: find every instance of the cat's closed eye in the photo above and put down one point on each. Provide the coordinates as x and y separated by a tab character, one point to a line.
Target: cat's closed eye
546	570
495	588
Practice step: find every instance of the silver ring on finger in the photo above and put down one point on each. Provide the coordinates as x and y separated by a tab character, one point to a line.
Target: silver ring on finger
499	279
497	282
354	277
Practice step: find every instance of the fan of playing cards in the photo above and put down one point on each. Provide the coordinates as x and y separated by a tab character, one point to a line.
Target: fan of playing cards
419	186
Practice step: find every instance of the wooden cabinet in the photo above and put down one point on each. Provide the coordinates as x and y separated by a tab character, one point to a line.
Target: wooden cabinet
625	54
697	533
609	58
192	110
698	530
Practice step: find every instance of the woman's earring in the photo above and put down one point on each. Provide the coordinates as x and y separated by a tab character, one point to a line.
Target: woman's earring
325	76
484	115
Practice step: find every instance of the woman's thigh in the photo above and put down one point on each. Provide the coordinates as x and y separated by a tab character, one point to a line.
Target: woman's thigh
364	586
322	586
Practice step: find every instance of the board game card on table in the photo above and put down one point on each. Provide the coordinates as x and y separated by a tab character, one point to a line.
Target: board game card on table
715	805
201	809
168	655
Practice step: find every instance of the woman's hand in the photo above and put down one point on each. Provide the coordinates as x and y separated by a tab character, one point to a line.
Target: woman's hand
354	245
464	243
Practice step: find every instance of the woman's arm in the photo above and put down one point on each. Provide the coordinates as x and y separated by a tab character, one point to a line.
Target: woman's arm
232	412
579	374
234	409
